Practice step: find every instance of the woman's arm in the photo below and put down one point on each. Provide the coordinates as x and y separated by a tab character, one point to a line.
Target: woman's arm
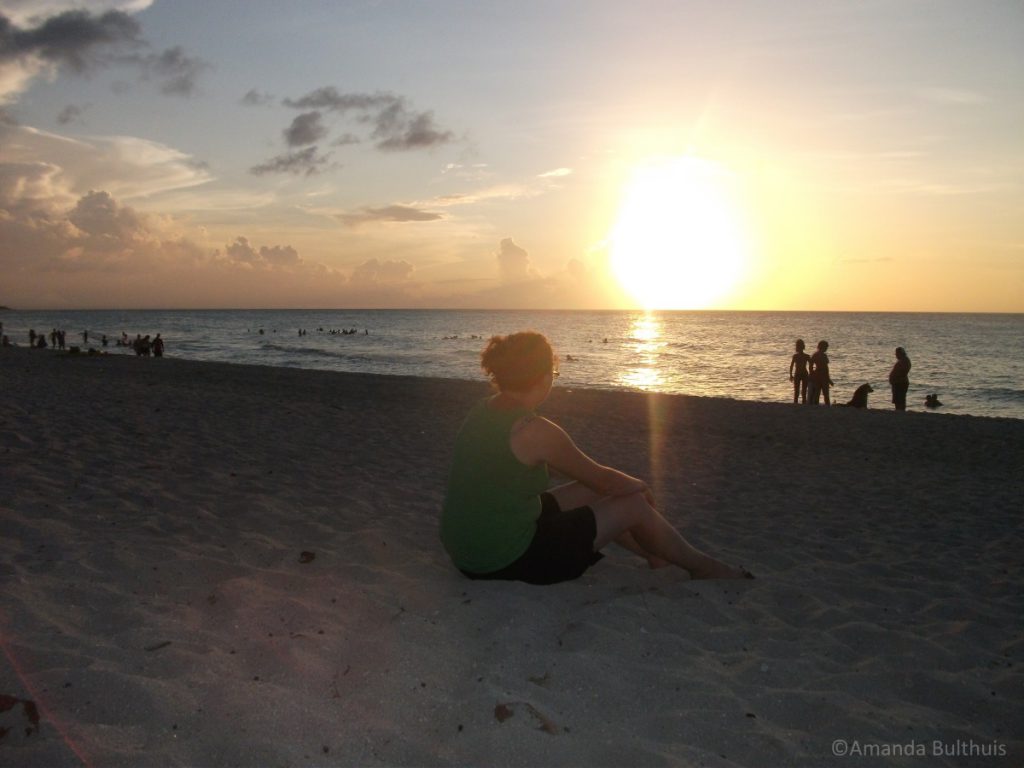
539	440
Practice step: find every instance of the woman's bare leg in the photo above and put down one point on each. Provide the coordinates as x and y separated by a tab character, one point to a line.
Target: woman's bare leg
626	541
654	534
575	494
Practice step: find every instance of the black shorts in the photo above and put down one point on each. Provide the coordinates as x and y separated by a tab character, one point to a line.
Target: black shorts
562	549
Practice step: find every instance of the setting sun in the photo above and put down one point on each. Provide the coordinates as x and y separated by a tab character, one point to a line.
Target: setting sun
678	240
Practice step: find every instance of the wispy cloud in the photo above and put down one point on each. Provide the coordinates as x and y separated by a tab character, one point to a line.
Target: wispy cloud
126	166
255	98
304	162
388	213
395	125
177	72
70	114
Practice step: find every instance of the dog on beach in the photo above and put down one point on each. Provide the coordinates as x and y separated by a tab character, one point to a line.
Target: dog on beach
932	401
860	396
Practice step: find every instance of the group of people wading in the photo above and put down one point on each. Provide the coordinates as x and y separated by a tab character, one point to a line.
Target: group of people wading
143	346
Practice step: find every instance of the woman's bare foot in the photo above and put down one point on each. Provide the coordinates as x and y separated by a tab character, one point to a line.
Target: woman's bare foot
656	562
716	569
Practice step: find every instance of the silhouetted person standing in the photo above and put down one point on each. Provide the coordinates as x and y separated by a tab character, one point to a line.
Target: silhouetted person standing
798	372
899	379
820	379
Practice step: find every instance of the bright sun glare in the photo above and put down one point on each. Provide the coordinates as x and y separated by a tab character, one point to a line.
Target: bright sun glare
678	241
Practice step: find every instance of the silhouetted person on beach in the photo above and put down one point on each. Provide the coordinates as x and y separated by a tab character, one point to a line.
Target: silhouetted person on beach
31	338
158	346
899	379
819	376
501	521
798	373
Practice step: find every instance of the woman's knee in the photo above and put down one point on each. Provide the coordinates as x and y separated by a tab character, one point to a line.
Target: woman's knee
617	514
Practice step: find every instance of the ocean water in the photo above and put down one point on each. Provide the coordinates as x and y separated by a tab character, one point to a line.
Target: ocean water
974	362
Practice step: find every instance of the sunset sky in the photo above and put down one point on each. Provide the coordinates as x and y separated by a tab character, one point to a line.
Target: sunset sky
806	155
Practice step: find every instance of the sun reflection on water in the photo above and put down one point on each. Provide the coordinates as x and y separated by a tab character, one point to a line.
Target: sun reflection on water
645	341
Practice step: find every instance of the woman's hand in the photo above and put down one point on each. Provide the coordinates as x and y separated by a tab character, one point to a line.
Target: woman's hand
626	485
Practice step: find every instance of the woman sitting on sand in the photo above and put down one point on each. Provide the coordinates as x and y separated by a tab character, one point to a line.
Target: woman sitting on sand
500	520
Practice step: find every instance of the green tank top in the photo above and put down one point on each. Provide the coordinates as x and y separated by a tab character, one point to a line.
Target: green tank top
493	499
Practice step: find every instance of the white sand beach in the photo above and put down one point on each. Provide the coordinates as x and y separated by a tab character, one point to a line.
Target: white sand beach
214	565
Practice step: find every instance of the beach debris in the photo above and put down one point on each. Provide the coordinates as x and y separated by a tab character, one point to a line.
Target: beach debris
29	715
503	712
157	646
307	556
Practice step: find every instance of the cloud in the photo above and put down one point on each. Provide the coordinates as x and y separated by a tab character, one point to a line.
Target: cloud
96	235
28	187
242	252
394	213
72	39
396	127
254	98
329	98
98	216
125	166
23	12
374	272
98	252
70	114
307	128
555	174
513	261
55	38
397	131
177	71
305	162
